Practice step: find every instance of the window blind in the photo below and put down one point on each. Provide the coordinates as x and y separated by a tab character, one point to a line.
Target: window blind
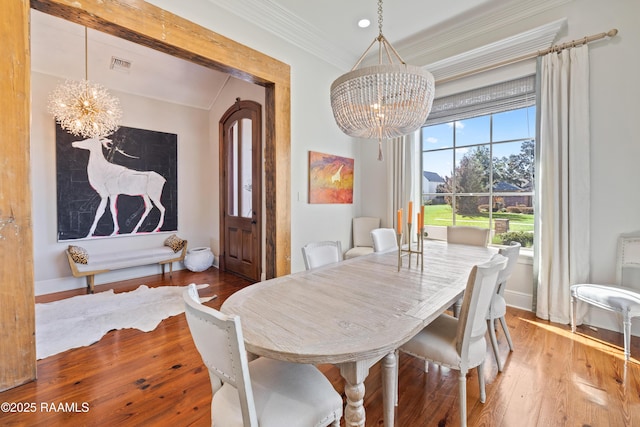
505	96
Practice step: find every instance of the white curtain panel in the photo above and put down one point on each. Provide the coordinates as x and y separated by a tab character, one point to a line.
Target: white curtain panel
403	165
562	181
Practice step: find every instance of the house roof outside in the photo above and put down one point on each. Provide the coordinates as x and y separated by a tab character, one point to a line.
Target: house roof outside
432	176
505	186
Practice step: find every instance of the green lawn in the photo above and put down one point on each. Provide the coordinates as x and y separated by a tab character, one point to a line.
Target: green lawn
441	215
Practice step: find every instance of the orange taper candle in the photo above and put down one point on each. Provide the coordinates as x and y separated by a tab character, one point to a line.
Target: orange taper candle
410	216
399	221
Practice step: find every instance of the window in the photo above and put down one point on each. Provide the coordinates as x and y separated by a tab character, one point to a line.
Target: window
479	171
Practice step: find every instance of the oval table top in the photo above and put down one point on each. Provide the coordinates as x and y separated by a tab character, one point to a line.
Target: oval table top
361	308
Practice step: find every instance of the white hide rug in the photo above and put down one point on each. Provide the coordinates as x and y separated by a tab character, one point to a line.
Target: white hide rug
83	320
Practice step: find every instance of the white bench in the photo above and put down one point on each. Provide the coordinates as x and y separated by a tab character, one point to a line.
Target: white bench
623	297
102	263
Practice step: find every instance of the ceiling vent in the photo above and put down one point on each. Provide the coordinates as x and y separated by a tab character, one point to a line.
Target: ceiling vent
120	64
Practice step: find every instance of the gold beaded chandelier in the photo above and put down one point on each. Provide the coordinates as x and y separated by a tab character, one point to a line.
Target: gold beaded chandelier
382	101
84	108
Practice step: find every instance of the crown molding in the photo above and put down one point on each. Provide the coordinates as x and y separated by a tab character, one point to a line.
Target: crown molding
504	50
285	24
420	49
424	47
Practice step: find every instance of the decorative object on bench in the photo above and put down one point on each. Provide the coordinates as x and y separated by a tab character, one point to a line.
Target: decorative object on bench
84	319
623	298
88	265
79	254
198	259
175	243
362	242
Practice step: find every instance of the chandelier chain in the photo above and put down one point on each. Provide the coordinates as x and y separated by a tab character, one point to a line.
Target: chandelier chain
86	55
380	17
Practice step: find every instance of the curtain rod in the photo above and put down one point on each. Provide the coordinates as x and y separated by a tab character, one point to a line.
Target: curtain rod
555	48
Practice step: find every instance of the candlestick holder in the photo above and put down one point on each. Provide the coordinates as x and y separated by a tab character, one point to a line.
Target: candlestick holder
419	248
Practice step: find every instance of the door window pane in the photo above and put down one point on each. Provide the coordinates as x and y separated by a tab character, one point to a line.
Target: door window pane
246	177
232	170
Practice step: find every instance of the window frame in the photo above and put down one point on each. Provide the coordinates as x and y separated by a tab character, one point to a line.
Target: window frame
491	144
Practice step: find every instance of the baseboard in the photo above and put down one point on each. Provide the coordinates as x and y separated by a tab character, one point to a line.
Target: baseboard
44	287
518	299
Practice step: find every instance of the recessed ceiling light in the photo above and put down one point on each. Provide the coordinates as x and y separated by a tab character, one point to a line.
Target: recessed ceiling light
364	23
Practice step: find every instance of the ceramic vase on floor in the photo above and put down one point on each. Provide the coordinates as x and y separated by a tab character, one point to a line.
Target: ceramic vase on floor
198	259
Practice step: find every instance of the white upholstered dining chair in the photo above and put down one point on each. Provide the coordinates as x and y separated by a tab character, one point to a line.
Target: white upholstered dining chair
498	306
263	392
622	298
362	242
466	235
459	343
317	254
384	239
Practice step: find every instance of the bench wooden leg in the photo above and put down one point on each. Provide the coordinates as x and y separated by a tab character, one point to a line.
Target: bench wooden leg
90	284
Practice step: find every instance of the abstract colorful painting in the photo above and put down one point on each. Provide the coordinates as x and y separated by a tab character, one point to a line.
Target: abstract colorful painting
330	178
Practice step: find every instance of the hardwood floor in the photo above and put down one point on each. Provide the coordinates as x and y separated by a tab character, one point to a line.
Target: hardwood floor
553	378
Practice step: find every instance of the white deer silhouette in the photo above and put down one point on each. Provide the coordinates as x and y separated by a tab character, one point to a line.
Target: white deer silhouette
111	180
336	176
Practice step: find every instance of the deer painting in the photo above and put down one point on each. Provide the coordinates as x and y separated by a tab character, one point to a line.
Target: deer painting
110	180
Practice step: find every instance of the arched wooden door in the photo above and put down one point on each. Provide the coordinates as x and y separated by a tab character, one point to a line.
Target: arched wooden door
241	189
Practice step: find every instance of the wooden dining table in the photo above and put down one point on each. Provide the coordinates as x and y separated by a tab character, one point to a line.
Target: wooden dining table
354	313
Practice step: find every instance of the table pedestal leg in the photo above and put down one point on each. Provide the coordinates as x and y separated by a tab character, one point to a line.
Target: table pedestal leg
354	374
389	387
354	412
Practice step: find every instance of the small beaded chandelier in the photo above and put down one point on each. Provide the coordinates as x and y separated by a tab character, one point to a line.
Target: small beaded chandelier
84	108
382	101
